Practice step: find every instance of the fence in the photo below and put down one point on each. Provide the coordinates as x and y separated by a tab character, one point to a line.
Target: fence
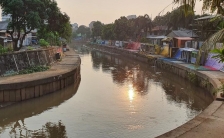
17	61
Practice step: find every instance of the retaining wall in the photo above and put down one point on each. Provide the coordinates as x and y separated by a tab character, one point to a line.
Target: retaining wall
18	61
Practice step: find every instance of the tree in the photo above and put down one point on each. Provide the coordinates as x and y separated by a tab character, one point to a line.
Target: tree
209	44
97	29
175	19
122	28
142	25
56	23
212	5
25	16
84	31
108	32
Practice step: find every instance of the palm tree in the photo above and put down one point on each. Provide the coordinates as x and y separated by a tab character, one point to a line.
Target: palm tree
210	43
212	5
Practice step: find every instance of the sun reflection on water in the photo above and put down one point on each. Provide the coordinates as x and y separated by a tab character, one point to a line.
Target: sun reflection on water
131	93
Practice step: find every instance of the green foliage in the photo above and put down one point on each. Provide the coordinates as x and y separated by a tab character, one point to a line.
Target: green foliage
209	44
144	40
3	50
220	54
108	32
29	48
140	26
205	83
42	15
175	19
43	43
26	15
122	29
10	49
211	5
193	77
33	69
84	31
97	29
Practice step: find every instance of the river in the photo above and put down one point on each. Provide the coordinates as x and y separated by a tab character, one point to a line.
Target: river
117	97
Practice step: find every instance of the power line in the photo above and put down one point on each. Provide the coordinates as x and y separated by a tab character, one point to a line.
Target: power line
165	8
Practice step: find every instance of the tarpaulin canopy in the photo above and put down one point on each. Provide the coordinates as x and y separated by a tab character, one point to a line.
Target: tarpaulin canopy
134	46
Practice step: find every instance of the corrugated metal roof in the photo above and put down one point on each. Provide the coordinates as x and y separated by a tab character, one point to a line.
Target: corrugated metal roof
182	33
156	37
205	17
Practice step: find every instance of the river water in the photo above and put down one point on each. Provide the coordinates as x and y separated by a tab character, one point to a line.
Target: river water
117	97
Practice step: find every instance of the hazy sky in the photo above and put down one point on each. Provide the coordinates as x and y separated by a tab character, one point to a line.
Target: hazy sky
85	11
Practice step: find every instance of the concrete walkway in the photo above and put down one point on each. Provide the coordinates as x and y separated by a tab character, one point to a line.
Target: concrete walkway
69	62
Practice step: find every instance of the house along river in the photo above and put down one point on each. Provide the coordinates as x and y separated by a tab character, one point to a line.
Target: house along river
117	97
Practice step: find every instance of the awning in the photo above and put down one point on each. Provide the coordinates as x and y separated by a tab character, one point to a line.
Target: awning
184	38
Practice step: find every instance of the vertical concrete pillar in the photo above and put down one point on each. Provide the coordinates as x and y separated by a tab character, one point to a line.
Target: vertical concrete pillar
58	85
12	96
62	83
6	96
18	95
55	86
27	92
41	90
37	91
45	89
51	87
1	96
23	94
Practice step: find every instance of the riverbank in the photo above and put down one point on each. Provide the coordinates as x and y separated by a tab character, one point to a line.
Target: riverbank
207	124
22	87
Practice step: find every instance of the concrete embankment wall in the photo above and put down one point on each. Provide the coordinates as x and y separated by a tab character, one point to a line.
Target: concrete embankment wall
196	77
123	52
22	87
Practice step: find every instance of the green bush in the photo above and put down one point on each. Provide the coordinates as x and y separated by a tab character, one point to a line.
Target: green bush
29	48
33	69
43	43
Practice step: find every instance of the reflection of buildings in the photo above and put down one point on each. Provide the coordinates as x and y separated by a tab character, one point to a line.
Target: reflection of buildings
49	130
185	92
123	71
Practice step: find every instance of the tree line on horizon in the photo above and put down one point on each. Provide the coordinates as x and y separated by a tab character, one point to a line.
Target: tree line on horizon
137	29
